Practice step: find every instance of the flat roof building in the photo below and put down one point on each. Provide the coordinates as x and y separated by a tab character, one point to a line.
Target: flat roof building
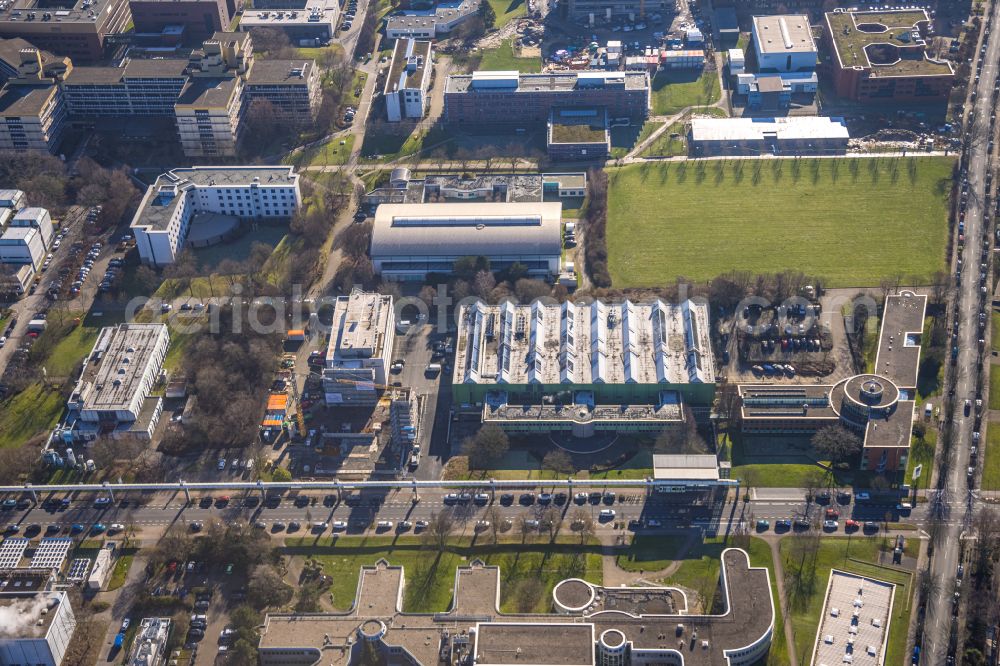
22	245
360	348
592	11
35	218
138	88
292	88
784	43
75	28
37	629
431	23
409	241
298	19
12	199
149	648
403	188
199	18
877	406
855	621
113	392
408	80
882	55
595	625
792	135
183	198
509	97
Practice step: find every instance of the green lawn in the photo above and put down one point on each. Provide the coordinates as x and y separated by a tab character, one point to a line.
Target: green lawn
675	91
838	219
922	453
520	464
503	58
70	350
760	556
995	387
667	144
507	10
335	152
806	591
393	146
31	412
120	571
430	575
991	461
995	331
625	137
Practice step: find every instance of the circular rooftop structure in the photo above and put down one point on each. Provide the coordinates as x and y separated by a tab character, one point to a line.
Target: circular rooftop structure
371	630
871	392
573	595
612	638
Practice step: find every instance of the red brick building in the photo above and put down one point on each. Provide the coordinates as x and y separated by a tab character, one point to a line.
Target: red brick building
882	56
200	18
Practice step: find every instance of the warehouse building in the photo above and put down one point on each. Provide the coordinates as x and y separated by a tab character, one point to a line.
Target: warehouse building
112	396
507	98
202	205
76	28
410	241
44	631
792	135
878	406
408	80
882	55
784	43
592	625
584	368
360	348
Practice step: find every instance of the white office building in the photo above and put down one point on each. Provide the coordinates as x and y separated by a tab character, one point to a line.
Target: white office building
22	245
408	81
38	630
784	43
360	348
37	218
112	395
411	240
184	198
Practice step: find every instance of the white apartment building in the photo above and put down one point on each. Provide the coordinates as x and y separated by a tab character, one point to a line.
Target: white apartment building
112	395
37	218
42	641
359	352
784	43
178	197
408	81
13	199
22	245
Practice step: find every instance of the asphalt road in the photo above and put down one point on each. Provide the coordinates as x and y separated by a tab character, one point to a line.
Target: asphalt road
669	509
956	501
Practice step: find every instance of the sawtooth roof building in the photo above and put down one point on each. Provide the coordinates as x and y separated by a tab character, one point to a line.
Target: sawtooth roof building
593	625
409	241
584	368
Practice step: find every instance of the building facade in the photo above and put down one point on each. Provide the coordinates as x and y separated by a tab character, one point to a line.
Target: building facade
291	87
35	218
430	23
22	245
408	80
880	56
505	98
171	204
599	11
792	135
79	29
139	88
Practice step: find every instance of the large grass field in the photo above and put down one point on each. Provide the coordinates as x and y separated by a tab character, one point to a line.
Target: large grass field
507	11
849	221
430	575
991	461
31	412
857	555
995	387
675	91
